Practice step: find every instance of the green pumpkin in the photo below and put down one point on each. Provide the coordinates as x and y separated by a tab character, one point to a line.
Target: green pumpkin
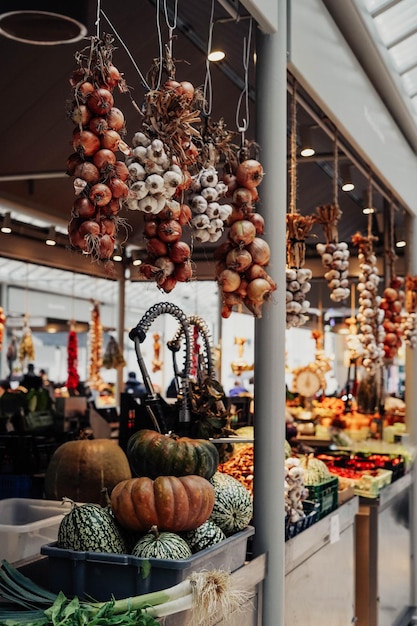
165	545
91	528
233	504
205	536
152	454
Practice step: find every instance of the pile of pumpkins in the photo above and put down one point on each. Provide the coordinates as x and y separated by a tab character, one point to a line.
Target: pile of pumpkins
165	496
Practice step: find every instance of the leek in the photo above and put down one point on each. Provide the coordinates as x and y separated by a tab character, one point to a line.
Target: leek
205	593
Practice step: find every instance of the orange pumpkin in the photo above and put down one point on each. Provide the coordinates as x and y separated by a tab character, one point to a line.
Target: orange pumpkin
171	503
80	470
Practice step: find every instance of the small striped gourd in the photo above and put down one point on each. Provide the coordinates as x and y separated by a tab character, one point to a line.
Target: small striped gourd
164	545
233	504
315	471
91	528
205	536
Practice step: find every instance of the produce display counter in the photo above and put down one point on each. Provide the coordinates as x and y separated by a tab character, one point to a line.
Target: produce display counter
319	563
383	549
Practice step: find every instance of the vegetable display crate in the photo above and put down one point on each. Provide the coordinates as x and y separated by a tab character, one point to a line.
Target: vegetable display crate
27	524
369	486
326	495
311	510
101	576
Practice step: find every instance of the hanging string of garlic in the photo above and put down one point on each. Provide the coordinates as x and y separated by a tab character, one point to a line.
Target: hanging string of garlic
297	277
409	320
295	491
334	254
370	316
298	228
206	199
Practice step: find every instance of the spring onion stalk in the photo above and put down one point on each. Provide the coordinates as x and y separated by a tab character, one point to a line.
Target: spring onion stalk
203	592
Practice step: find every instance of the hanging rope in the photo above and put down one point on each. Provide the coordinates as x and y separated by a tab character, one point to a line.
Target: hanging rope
392	257
98	20
293	150
171	27
370	200
135	65
243	127
208	89
335	170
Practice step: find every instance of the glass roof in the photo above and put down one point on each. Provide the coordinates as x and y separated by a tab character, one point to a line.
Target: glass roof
393	24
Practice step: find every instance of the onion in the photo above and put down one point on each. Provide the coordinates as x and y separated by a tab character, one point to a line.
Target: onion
78	240
238	259
237	214
73	160
103	158
260	251
242	232
121	170
108	227
115	119
100	101
185	214
87	171
258	221
147	270
229	280
168	284
112	208
186	89
256	271
83	208
183	271
113	76
89	227
85	142
98	125
231	182
100	194
249	173
81	115
119	189
242	197
150	229
232	299
155	247
171	211
226	311
180	252
169	231
165	268
105	246
258	290
110	140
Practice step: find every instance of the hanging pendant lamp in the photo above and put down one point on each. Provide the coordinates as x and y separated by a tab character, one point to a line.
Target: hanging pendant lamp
44	23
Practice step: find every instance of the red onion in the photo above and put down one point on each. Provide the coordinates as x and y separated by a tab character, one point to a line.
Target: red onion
179	252
183	271
169	231
155	247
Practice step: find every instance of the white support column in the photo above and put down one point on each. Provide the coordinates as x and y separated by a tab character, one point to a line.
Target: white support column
411	403
271	105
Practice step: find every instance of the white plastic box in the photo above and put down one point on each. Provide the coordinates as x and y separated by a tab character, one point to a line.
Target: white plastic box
27	524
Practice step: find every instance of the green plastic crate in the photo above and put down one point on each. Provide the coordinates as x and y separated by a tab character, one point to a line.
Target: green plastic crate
326	494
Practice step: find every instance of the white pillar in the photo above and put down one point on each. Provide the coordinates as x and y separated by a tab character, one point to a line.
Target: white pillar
269	374
411	403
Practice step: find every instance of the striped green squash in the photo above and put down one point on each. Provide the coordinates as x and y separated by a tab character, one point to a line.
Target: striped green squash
205	536
165	545
91	528
233	504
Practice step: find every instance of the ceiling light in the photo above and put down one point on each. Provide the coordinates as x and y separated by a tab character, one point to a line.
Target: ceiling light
41	26
117	256
400	239
306	149
6	226
136	258
51	239
346	174
216	55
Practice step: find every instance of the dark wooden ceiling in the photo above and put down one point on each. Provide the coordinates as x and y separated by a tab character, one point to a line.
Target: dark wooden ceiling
36	133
